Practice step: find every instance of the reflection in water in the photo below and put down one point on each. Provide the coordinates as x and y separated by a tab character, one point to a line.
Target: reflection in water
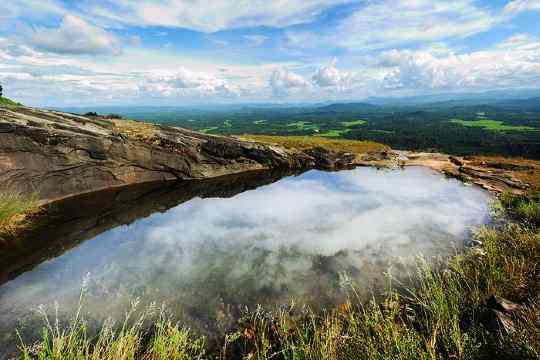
289	240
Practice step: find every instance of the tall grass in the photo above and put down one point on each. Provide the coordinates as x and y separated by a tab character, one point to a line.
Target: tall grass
13	210
523	208
146	334
12	204
442	316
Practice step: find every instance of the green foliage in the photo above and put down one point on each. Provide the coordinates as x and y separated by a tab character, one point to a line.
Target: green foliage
521	207
492	125
130	340
421	127
114	116
306	142
334	133
7	102
304	126
12	204
439	318
209	129
353	123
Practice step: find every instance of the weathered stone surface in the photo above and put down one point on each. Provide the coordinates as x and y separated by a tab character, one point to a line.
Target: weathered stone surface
326	159
488	175
58	154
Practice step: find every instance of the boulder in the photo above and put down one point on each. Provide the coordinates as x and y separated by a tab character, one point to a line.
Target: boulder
56	154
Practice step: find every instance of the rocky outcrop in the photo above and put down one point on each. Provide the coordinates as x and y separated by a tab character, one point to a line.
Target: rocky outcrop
495	176
57	154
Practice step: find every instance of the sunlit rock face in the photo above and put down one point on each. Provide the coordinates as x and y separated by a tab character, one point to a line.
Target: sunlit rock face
40	149
301	238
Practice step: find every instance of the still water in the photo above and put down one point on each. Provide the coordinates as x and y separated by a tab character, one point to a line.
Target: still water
292	239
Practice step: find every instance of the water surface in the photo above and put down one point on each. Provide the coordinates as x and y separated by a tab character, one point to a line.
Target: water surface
293	239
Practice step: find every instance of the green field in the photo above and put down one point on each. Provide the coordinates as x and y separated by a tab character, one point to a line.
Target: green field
304	125
509	129
209	129
334	133
353	123
492	125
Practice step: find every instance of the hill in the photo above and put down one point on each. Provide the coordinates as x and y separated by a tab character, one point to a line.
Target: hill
348	107
6	101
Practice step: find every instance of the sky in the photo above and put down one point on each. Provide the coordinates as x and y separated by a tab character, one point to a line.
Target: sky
184	52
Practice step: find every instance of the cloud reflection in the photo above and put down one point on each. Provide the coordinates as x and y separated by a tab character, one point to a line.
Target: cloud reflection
288	239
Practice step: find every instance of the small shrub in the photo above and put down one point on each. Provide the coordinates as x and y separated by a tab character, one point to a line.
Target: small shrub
522	208
12	204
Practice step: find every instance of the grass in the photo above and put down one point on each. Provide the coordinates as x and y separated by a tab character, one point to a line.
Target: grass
149	334
304	125
137	130
307	142
523	208
334	133
227	124
209	129
492	125
353	123
442	315
13	210
8	102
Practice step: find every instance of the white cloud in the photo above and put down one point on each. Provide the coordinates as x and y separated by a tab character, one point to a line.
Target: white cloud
517	6
187	83
283	80
388	23
514	63
209	17
329	76
74	36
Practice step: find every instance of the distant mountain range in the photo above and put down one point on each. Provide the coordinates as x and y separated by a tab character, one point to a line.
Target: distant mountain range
452	99
525	100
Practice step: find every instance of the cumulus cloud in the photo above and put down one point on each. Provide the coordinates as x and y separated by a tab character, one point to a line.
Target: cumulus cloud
282	81
514	63
74	36
328	75
517	6
188	83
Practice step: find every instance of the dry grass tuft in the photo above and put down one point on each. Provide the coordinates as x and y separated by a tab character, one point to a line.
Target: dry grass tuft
307	142
137	130
16	211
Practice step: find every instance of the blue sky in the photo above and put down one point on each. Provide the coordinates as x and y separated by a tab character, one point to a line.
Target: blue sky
165	52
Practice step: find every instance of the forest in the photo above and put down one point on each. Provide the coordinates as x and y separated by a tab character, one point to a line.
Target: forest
506	127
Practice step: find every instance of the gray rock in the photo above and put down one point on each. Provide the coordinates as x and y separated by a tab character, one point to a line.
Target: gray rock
58	154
